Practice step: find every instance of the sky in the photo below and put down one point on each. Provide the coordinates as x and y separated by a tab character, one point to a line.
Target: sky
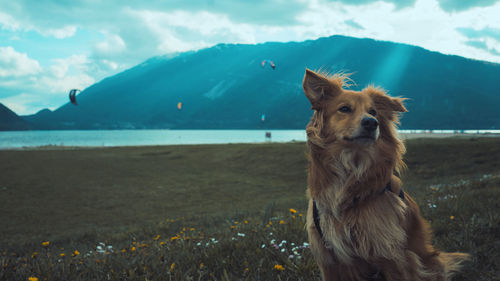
48	47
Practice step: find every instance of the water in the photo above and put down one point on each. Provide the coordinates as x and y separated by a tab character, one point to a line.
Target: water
19	139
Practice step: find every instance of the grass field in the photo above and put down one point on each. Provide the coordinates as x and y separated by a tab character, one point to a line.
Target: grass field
216	212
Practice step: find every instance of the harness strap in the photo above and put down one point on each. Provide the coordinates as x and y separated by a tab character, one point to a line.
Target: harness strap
401	192
316	219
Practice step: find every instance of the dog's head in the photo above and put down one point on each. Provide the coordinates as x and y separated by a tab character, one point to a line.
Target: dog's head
349	117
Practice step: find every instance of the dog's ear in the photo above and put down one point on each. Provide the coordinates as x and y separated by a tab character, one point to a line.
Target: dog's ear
316	87
397	104
384	102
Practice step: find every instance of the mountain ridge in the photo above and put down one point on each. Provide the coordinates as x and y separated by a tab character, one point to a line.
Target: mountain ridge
9	120
225	87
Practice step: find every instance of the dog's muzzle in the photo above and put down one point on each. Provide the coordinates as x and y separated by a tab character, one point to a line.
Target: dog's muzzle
368	132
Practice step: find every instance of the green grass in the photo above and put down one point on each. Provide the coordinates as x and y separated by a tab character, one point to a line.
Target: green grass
126	197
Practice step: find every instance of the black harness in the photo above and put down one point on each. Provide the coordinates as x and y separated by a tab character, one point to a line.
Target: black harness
316	214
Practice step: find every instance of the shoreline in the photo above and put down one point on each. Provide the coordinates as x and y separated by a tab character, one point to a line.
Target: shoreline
404	136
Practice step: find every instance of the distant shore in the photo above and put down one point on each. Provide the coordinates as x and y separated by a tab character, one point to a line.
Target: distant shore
404	134
446	135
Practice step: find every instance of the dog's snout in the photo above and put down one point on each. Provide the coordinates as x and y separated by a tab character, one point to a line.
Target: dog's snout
369	124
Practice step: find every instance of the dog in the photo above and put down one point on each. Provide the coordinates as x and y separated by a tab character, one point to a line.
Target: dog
361	224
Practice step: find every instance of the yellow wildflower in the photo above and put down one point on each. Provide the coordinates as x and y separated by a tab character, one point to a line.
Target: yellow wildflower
76	253
293	211
300	215
45	244
201	265
156	237
174	238
62	254
162	243
279	267
34	255
452	217
236	222
233	227
124	250
32	278
192	229
133	249
172	266
270	223
282	222
246	222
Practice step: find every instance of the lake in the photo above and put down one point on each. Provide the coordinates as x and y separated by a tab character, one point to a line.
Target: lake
19	139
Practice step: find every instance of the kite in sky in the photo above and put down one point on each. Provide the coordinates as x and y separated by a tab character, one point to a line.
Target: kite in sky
72	96
271	64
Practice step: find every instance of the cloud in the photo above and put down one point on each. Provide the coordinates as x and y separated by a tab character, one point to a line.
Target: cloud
481	33
485	45
261	12
65	74
462	5
60	33
477	44
60	67
487	39
16	23
397	3
22	104
63	85
15	64
26	87
183	30
424	24
16	103
8	22
353	24
113	45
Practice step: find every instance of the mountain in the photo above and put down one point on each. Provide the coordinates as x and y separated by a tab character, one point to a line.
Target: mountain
225	87
10	121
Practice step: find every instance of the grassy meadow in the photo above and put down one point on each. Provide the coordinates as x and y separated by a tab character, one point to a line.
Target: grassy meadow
216	212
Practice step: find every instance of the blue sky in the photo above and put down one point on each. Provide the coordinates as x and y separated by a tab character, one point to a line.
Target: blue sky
48	47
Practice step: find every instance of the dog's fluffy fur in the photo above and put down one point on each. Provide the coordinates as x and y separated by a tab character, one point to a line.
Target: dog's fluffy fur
368	234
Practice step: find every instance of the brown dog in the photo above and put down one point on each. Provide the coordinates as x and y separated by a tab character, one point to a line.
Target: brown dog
361	225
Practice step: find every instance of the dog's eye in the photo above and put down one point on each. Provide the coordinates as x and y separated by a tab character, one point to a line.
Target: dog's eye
372	112
345	109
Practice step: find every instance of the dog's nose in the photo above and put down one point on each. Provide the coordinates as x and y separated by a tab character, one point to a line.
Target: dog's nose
369	124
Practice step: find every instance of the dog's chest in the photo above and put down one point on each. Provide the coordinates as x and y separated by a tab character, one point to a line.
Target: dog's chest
372	232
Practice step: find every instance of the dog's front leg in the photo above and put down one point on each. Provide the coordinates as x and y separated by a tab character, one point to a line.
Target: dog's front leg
323	256
330	271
